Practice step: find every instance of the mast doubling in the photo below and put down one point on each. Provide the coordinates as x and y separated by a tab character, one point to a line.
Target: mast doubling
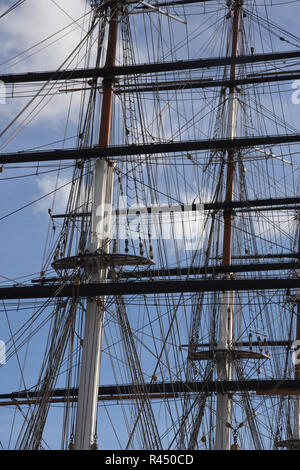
85	434
224	361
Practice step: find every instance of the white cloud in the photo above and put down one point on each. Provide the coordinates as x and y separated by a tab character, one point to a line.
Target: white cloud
33	22
27	26
56	201
59	187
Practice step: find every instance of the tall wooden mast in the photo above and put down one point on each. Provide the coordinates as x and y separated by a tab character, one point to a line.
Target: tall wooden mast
296	435
224	366
86	423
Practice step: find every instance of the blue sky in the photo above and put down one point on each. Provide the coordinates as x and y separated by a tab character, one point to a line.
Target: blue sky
23	235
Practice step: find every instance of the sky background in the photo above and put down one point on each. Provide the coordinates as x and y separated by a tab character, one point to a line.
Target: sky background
23	233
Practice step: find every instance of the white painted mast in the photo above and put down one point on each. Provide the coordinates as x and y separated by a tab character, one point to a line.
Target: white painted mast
94	317
86	420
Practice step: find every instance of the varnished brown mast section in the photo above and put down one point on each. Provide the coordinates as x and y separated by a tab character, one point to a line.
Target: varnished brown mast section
227	240
107	99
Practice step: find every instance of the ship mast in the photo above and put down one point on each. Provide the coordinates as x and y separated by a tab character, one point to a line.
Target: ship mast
224	365
296	435
85	434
